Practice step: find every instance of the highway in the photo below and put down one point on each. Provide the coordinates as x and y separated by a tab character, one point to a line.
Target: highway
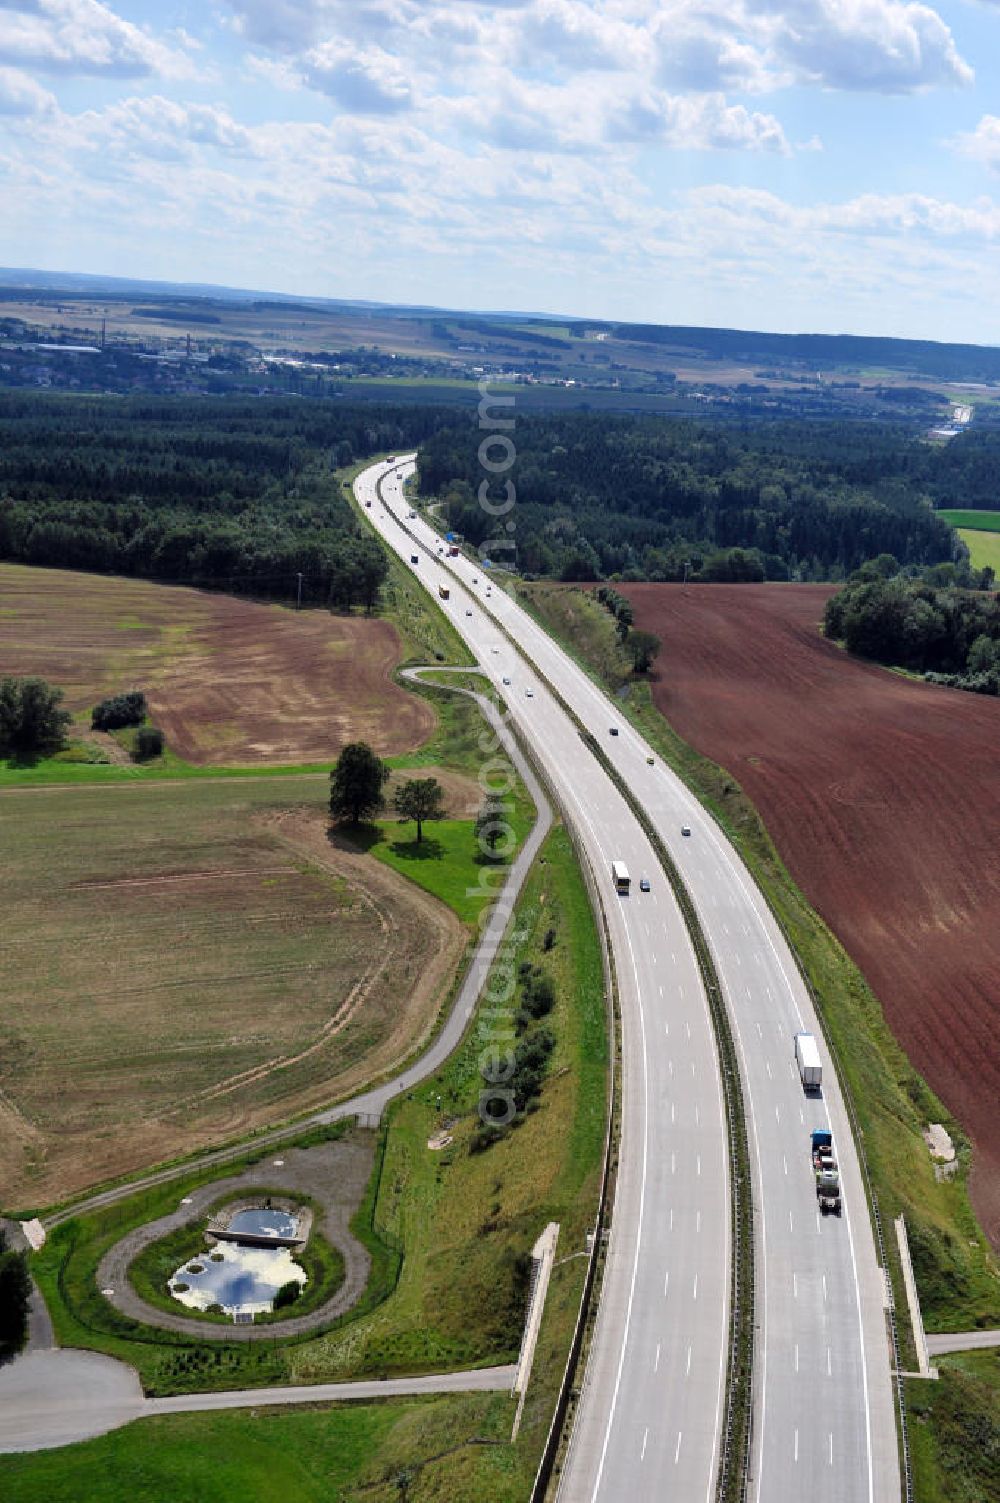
651	1412
648	1421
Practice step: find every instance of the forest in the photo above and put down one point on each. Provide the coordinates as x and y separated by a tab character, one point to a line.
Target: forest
657	498
234	493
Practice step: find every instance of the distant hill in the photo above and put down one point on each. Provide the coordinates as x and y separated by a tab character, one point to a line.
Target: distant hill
957	362
748	347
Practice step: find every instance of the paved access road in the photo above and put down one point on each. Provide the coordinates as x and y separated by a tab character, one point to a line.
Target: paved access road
56	1398
824	1415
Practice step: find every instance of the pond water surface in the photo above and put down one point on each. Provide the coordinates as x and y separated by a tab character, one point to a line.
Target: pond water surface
264	1222
243	1280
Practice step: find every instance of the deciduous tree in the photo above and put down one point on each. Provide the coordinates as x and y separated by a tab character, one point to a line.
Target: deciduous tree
419	799
356	783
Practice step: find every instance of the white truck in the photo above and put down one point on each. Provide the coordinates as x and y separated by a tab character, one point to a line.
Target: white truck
809	1063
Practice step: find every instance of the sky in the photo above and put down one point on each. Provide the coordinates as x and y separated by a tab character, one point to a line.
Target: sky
795	165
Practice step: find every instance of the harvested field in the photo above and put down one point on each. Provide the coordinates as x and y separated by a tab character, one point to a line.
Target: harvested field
230	681
182	962
883	797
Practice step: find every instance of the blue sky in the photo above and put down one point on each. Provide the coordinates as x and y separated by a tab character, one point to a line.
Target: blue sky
826	165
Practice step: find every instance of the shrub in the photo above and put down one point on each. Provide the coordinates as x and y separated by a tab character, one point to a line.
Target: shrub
118	711
287	1294
149	743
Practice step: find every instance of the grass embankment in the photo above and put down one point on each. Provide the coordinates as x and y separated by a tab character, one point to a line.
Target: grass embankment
465	1222
152	1270
955	1270
420	1451
955	1430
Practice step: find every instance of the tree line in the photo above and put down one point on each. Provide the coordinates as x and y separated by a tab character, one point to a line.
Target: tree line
657	498
230	493
931	625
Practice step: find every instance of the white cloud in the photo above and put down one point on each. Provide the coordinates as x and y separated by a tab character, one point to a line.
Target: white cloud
981	144
880	45
888	46
82	37
369	82
21	95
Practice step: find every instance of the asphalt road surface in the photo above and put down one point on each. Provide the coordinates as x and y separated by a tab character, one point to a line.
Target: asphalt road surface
651	1409
824	1421
56	1398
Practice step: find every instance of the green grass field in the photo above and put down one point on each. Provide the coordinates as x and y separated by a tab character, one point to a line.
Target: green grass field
955	1430
358	1453
976	521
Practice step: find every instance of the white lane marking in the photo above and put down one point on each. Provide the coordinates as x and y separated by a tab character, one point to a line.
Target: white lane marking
697	1116
661	991
725	928
671	1218
641	1221
795	1286
698	1165
747	990
673	958
687	1369
796	1356
819	1224
791	1228
736	957
692	1067
769	993
677	1451
759	1032
656	1361
767	1066
824	1286
784	1161
777	1112
750	897
796	1445
697	1221
666	1030
687	1025
695	1295
829	1363
680	989
830	1461
670	1066
645	1437
666	1283
802	1115
673	1111
673	1163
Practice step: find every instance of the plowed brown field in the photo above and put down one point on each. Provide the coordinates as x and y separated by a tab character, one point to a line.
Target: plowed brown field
228	680
882	796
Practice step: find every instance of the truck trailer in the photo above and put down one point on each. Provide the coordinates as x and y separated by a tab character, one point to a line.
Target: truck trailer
808	1060
444	591
825	1170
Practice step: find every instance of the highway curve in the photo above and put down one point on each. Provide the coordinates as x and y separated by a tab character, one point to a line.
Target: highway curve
824	1422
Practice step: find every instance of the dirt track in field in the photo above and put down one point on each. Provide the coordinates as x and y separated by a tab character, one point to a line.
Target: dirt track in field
883	797
230	681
